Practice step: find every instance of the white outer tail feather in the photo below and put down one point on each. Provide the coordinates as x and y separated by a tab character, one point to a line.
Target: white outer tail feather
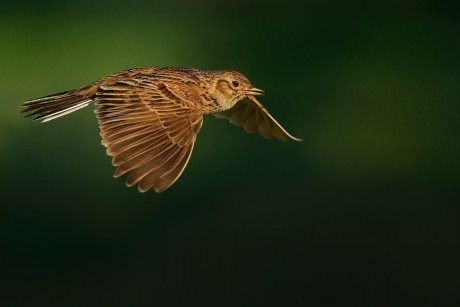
70	109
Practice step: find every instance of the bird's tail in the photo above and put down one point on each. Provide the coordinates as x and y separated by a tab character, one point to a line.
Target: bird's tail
57	105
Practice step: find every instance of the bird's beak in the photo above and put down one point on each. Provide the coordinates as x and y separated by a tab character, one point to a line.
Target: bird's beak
254	91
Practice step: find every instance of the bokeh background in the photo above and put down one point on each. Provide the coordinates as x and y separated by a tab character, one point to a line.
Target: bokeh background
365	211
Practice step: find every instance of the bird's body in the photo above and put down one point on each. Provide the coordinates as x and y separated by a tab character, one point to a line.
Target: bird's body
149	117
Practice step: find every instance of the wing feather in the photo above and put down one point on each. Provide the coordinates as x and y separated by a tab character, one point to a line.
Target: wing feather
168	173
250	114
147	130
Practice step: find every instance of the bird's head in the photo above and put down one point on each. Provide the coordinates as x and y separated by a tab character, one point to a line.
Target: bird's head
231	86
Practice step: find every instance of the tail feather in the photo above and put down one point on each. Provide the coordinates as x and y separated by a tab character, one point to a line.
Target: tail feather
60	104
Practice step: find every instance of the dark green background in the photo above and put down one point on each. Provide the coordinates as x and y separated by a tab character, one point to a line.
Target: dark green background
364	211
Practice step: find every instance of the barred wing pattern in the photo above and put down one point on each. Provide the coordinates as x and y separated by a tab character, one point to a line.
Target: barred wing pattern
147	130
252	115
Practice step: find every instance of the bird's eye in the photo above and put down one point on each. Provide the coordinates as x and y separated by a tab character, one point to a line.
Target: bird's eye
235	83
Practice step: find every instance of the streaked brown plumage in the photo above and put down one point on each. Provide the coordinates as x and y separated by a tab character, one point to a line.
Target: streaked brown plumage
149	117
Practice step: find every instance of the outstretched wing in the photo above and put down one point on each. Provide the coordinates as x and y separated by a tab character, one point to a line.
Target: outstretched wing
250	114
147	130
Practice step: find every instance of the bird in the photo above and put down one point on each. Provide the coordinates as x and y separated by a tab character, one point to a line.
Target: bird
149	117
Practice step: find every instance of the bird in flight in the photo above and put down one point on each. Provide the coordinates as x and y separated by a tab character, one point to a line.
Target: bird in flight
149	117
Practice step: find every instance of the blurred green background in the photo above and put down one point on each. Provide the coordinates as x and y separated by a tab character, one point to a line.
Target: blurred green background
365	211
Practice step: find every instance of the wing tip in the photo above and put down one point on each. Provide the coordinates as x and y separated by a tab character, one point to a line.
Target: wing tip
295	138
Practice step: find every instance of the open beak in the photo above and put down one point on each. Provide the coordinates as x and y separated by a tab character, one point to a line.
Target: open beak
254	91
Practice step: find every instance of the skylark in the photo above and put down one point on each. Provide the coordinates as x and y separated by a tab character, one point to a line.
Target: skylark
149	117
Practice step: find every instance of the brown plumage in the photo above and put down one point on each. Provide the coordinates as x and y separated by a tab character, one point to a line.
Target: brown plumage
149	117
